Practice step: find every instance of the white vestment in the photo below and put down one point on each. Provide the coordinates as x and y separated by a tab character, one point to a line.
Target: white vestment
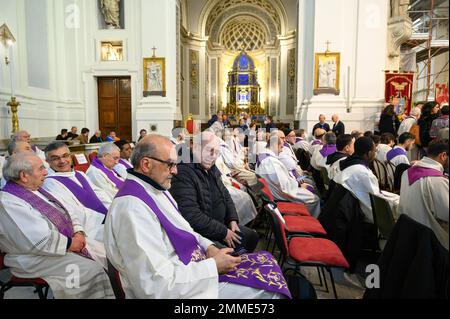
314	146
303	144
288	158
334	169
318	161
122	169
2	161
99	179
400	159
382	150
139	248
235	162
260	146
361	182
427	200
283	185
91	220
406	125
36	249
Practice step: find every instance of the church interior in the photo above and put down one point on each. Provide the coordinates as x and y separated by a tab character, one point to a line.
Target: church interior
86	72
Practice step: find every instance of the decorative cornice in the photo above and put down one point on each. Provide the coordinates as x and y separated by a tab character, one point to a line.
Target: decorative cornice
400	31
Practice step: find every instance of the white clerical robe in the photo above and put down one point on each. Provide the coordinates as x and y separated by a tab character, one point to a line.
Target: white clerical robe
245	207
313	147
382	150
318	161
427	200
122	169
283	185
361	182
260	147
400	159
36	249
91	220
406	125
334	169
99	179
236	163
139	248
2	162
303	144
288	158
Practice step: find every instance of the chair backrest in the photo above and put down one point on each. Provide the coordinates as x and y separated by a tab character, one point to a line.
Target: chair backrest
303	157
382	215
324	175
279	230
79	164
390	169
379	170
399	170
92	156
114	278
266	194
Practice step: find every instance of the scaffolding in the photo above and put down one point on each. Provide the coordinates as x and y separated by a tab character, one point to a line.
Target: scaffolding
430	18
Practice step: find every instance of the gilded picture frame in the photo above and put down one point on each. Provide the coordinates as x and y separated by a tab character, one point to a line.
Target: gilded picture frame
327	73
154	72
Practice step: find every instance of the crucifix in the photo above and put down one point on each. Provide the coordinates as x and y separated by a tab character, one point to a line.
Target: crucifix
328	47
154	55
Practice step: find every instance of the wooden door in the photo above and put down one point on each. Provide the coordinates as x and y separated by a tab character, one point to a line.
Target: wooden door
114	106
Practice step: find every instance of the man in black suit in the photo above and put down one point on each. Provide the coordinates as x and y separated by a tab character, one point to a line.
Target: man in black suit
338	126
321	124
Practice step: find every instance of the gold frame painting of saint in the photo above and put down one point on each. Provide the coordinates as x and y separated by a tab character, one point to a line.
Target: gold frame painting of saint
154	76
327	73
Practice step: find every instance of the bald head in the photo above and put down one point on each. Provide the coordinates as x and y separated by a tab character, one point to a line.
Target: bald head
150	146
335	118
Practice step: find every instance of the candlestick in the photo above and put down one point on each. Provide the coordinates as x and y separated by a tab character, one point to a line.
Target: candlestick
11	70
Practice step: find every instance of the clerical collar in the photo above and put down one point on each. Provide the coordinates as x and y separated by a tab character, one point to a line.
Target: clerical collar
146	179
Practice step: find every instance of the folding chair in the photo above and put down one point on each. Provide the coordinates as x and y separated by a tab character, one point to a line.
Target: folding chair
325	178
39	284
383	217
114	278
299	250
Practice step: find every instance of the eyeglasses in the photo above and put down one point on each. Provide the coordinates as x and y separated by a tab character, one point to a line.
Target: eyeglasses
169	164
58	158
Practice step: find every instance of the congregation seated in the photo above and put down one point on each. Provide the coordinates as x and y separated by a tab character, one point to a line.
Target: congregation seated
345	147
83	138
399	153
355	176
75	191
16	147
96	138
112	137
73	133
204	201
300	140
319	158
282	184
387	141
63	136
124	161
41	238
156	251
24	136
317	142
142	134
424	191
101	172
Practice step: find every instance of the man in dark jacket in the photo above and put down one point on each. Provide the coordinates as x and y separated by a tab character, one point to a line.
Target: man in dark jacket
204	201
338	126
321	124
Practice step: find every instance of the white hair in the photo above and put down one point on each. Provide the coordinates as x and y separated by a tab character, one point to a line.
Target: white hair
16	164
18	134
416	111
107	148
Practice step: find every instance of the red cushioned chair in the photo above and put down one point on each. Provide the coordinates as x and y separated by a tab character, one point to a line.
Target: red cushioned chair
80	167
114	278
39	284
306	251
92	156
284	207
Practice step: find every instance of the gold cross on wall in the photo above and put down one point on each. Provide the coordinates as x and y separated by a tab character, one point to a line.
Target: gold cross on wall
154	50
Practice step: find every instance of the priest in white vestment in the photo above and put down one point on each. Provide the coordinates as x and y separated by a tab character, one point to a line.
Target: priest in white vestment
319	158
101	172
300	141
157	253
424	191
356	177
399	153
75	190
42	239
24	136
317	142
387	141
16	147
345	147
124	161
282	184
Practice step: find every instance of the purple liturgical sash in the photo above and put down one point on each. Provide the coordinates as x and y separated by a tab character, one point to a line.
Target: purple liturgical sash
317	142
394	152
84	193
262	157
327	150
298	140
257	270
60	219
109	173
125	163
417	172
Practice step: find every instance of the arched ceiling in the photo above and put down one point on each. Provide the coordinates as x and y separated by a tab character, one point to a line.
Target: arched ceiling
243	32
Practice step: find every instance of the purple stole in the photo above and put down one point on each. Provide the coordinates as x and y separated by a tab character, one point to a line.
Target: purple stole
84	193
298	140
394	152
61	220
33	147
417	172
262	157
257	270
317	142
109	173
327	150
124	163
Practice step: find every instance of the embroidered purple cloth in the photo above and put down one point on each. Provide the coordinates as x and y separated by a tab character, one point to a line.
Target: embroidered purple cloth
84	193
327	150
257	270
59	218
417	172
125	163
394	152
111	174
262	157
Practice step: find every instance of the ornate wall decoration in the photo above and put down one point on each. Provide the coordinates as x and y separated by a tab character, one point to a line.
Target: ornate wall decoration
273	86
291	82
246	33
194	105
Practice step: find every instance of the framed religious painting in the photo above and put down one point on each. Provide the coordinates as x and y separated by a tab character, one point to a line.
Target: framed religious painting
326	73
154	76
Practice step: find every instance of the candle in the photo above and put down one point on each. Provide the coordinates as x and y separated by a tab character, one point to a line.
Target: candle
11	70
